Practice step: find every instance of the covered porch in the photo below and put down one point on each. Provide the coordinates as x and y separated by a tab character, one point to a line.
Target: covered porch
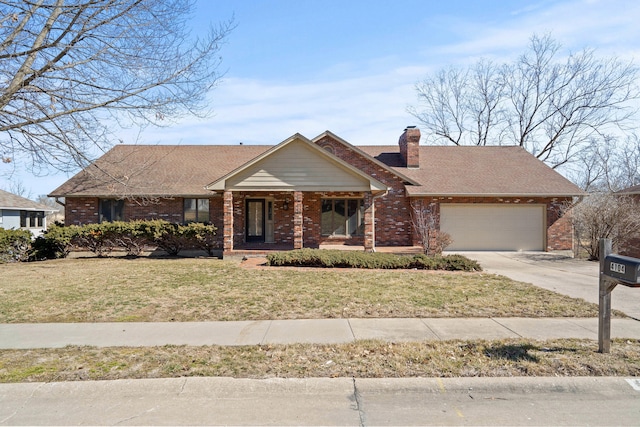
297	195
274	221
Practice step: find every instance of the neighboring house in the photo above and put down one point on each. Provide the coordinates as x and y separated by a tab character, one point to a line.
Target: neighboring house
304	193
19	212
631	246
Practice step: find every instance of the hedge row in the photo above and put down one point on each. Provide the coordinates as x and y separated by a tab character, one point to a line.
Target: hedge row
355	259
132	237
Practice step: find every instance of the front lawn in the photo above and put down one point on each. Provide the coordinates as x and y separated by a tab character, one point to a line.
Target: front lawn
182	289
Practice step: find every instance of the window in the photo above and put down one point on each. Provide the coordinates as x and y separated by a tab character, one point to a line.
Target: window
31	219
342	217
111	210
196	210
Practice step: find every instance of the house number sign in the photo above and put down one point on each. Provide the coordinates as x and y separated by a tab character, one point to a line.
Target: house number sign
617	268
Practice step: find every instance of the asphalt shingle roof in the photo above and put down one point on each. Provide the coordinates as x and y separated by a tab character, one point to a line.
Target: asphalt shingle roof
13	201
472	170
158	170
169	170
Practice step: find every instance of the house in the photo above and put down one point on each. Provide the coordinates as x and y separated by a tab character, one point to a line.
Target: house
310	192
631	246
19	212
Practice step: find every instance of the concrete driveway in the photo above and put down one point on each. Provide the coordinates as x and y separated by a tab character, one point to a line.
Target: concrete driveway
558	273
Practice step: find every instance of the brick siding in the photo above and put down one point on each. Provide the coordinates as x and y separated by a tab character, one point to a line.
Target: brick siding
392	211
85	210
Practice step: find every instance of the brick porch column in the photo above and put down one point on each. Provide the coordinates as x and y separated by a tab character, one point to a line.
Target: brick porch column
228	223
369	223
297	220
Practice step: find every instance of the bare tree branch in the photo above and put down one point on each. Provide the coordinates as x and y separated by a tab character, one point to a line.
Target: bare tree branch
553	107
71	69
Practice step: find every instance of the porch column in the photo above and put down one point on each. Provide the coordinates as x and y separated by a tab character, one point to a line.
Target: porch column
298	220
369	223
228	222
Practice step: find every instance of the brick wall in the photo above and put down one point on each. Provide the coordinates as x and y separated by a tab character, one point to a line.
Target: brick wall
170	210
81	210
392	212
85	210
282	219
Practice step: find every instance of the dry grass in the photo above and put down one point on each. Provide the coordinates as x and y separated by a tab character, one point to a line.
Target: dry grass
147	289
363	359
151	289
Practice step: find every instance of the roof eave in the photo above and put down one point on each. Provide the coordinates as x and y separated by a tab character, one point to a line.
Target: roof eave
16	208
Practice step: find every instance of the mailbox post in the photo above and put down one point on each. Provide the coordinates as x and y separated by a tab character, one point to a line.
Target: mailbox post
614	270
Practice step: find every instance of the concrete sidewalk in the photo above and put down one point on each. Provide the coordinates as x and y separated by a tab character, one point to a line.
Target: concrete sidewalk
319	331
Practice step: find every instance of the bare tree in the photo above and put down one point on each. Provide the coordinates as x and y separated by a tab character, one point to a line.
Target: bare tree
424	218
72	70
605	215
607	165
627	171
17	187
551	107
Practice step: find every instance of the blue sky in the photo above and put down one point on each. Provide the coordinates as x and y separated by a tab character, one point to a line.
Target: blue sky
350	66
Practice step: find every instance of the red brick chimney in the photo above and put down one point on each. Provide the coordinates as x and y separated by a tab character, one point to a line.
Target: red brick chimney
410	146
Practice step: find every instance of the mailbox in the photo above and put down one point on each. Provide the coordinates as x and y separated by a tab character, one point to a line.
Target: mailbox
623	268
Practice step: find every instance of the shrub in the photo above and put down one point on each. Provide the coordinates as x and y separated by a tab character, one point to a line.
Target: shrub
94	237
354	259
202	236
14	245
167	236
130	236
605	215
55	242
173	238
426	223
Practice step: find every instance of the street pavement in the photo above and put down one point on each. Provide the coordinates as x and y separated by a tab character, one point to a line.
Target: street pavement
338	401
527	401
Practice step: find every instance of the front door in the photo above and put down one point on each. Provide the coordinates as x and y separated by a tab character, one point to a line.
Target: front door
255	220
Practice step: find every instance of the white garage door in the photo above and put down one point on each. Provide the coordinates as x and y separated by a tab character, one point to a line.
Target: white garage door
493	227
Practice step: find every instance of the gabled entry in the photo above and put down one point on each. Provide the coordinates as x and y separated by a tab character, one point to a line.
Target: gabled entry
294	170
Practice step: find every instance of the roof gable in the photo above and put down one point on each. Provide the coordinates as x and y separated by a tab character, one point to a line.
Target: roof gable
364	154
297	164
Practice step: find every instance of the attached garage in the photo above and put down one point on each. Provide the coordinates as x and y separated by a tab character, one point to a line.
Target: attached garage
489	227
